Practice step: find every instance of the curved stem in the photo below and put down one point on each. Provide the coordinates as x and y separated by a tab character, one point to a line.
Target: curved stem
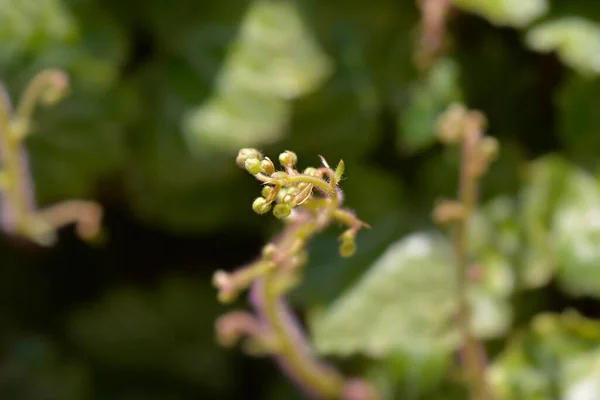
309	373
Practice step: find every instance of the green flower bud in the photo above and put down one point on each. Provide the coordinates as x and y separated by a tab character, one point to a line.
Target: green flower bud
281	211
245	154
260	206
347	248
266	191
450	125
310	171
288	199
267	166
489	147
348	245
288	158
252	165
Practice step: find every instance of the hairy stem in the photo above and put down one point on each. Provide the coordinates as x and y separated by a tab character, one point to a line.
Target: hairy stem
473	361
306	370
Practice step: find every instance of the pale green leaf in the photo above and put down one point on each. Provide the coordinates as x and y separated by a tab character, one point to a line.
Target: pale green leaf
274	59
558	357
575	39
517	13
576	235
429	97
406	303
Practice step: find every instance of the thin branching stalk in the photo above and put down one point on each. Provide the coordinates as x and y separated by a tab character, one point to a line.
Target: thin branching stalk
19	215
274	330
465	127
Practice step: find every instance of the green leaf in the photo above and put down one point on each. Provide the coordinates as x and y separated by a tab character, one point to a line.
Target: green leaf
273	60
546	179
575	39
558	357
516	13
32	25
576	235
428	98
406	303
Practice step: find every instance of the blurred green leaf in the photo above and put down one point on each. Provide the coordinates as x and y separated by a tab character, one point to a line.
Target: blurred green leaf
429	97
576	234
556	358
406	302
274	59
575	39
32	25
545	182
517	13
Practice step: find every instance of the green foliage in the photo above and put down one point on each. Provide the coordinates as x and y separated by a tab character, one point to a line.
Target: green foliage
161	98
517	13
415	281
575	39
556	357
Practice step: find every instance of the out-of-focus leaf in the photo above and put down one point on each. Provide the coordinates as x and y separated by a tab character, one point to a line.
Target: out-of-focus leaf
429	97
576	234
274	59
557	358
409	377
167	185
517	13
160	331
405	303
575	39
546	179
33	369
31	25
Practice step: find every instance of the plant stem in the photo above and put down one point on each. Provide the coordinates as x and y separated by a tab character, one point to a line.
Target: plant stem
310	374
473	360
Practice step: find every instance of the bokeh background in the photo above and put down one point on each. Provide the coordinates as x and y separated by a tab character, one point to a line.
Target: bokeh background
165	93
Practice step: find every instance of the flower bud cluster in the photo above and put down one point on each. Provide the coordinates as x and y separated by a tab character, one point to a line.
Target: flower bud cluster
283	190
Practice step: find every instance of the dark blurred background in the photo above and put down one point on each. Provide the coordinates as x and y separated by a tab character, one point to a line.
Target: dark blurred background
165	93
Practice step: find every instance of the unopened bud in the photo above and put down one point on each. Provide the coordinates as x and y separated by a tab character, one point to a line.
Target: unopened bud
348	245
267	166
288	199
280	176
260	206
58	86
347	249
266	191
282	211
288	159
310	171
252	165
245	154
450	125
489	147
